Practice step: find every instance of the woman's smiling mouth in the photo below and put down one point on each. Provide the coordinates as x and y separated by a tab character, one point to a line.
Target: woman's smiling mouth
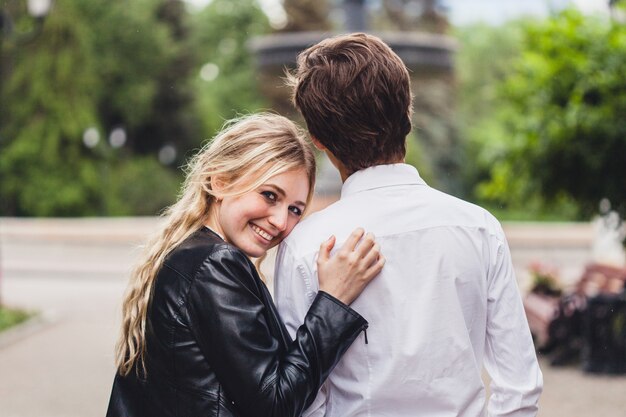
261	232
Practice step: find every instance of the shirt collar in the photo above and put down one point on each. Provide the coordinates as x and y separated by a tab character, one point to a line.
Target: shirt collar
380	176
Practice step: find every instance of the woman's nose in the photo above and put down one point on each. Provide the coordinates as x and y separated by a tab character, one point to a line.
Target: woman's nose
278	219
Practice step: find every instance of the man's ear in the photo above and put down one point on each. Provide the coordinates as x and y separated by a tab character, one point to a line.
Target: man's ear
318	144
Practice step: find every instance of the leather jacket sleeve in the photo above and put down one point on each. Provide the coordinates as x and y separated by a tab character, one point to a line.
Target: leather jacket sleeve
237	335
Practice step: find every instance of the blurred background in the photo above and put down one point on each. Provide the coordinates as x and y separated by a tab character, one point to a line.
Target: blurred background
520	106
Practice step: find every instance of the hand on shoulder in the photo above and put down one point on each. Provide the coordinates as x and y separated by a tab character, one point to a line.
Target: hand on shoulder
345	274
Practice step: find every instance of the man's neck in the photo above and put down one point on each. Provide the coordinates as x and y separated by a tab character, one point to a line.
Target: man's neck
344	173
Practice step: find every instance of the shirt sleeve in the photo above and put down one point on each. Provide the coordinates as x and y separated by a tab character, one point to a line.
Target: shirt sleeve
510	359
236	334
295	286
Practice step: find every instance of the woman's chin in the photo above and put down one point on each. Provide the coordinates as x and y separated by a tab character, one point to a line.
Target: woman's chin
255	251
257	254
257	246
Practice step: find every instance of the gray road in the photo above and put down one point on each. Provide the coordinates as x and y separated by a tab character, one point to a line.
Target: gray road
64	367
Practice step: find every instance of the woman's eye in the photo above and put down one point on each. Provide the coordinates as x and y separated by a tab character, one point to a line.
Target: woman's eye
295	210
269	195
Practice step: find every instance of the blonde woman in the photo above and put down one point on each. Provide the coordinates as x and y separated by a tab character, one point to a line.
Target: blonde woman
200	333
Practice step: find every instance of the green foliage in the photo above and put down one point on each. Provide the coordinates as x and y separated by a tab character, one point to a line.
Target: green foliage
10	317
483	60
434	127
220	36
43	165
618	4
99	64
559	133
143	51
131	49
415	156
157	189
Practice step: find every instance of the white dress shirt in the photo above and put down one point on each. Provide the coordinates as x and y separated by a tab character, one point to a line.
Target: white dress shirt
445	304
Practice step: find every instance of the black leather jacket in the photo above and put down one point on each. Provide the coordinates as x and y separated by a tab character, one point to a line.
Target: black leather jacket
217	347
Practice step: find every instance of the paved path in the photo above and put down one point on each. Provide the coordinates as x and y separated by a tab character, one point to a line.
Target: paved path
65	367
570	393
75	273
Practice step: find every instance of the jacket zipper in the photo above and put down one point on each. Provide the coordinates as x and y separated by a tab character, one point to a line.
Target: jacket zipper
365	332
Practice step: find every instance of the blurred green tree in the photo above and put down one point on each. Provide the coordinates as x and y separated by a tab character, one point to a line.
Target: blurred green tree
48	102
483	60
561	134
144	54
226	84
100	68
144	51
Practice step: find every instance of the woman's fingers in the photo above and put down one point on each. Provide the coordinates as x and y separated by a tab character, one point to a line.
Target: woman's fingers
371	255
325	249
376	267
353	239
346	274
365	245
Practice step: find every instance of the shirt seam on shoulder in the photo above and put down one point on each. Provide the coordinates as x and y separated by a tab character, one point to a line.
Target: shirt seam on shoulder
377	187
300	263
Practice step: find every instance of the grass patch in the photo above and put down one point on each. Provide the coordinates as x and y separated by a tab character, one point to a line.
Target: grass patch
534	210
521	215
10	317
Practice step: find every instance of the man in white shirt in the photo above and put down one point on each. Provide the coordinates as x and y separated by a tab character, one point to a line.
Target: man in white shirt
446	303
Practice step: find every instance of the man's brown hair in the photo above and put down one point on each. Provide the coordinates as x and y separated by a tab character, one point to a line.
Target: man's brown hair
354	94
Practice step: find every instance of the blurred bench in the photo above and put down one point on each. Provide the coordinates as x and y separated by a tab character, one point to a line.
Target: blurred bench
588	323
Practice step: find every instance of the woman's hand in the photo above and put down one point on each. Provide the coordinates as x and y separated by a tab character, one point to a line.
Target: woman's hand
346	274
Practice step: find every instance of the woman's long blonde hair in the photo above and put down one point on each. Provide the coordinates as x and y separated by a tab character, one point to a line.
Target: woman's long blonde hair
245	154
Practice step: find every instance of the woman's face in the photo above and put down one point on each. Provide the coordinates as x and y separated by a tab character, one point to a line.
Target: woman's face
262	218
